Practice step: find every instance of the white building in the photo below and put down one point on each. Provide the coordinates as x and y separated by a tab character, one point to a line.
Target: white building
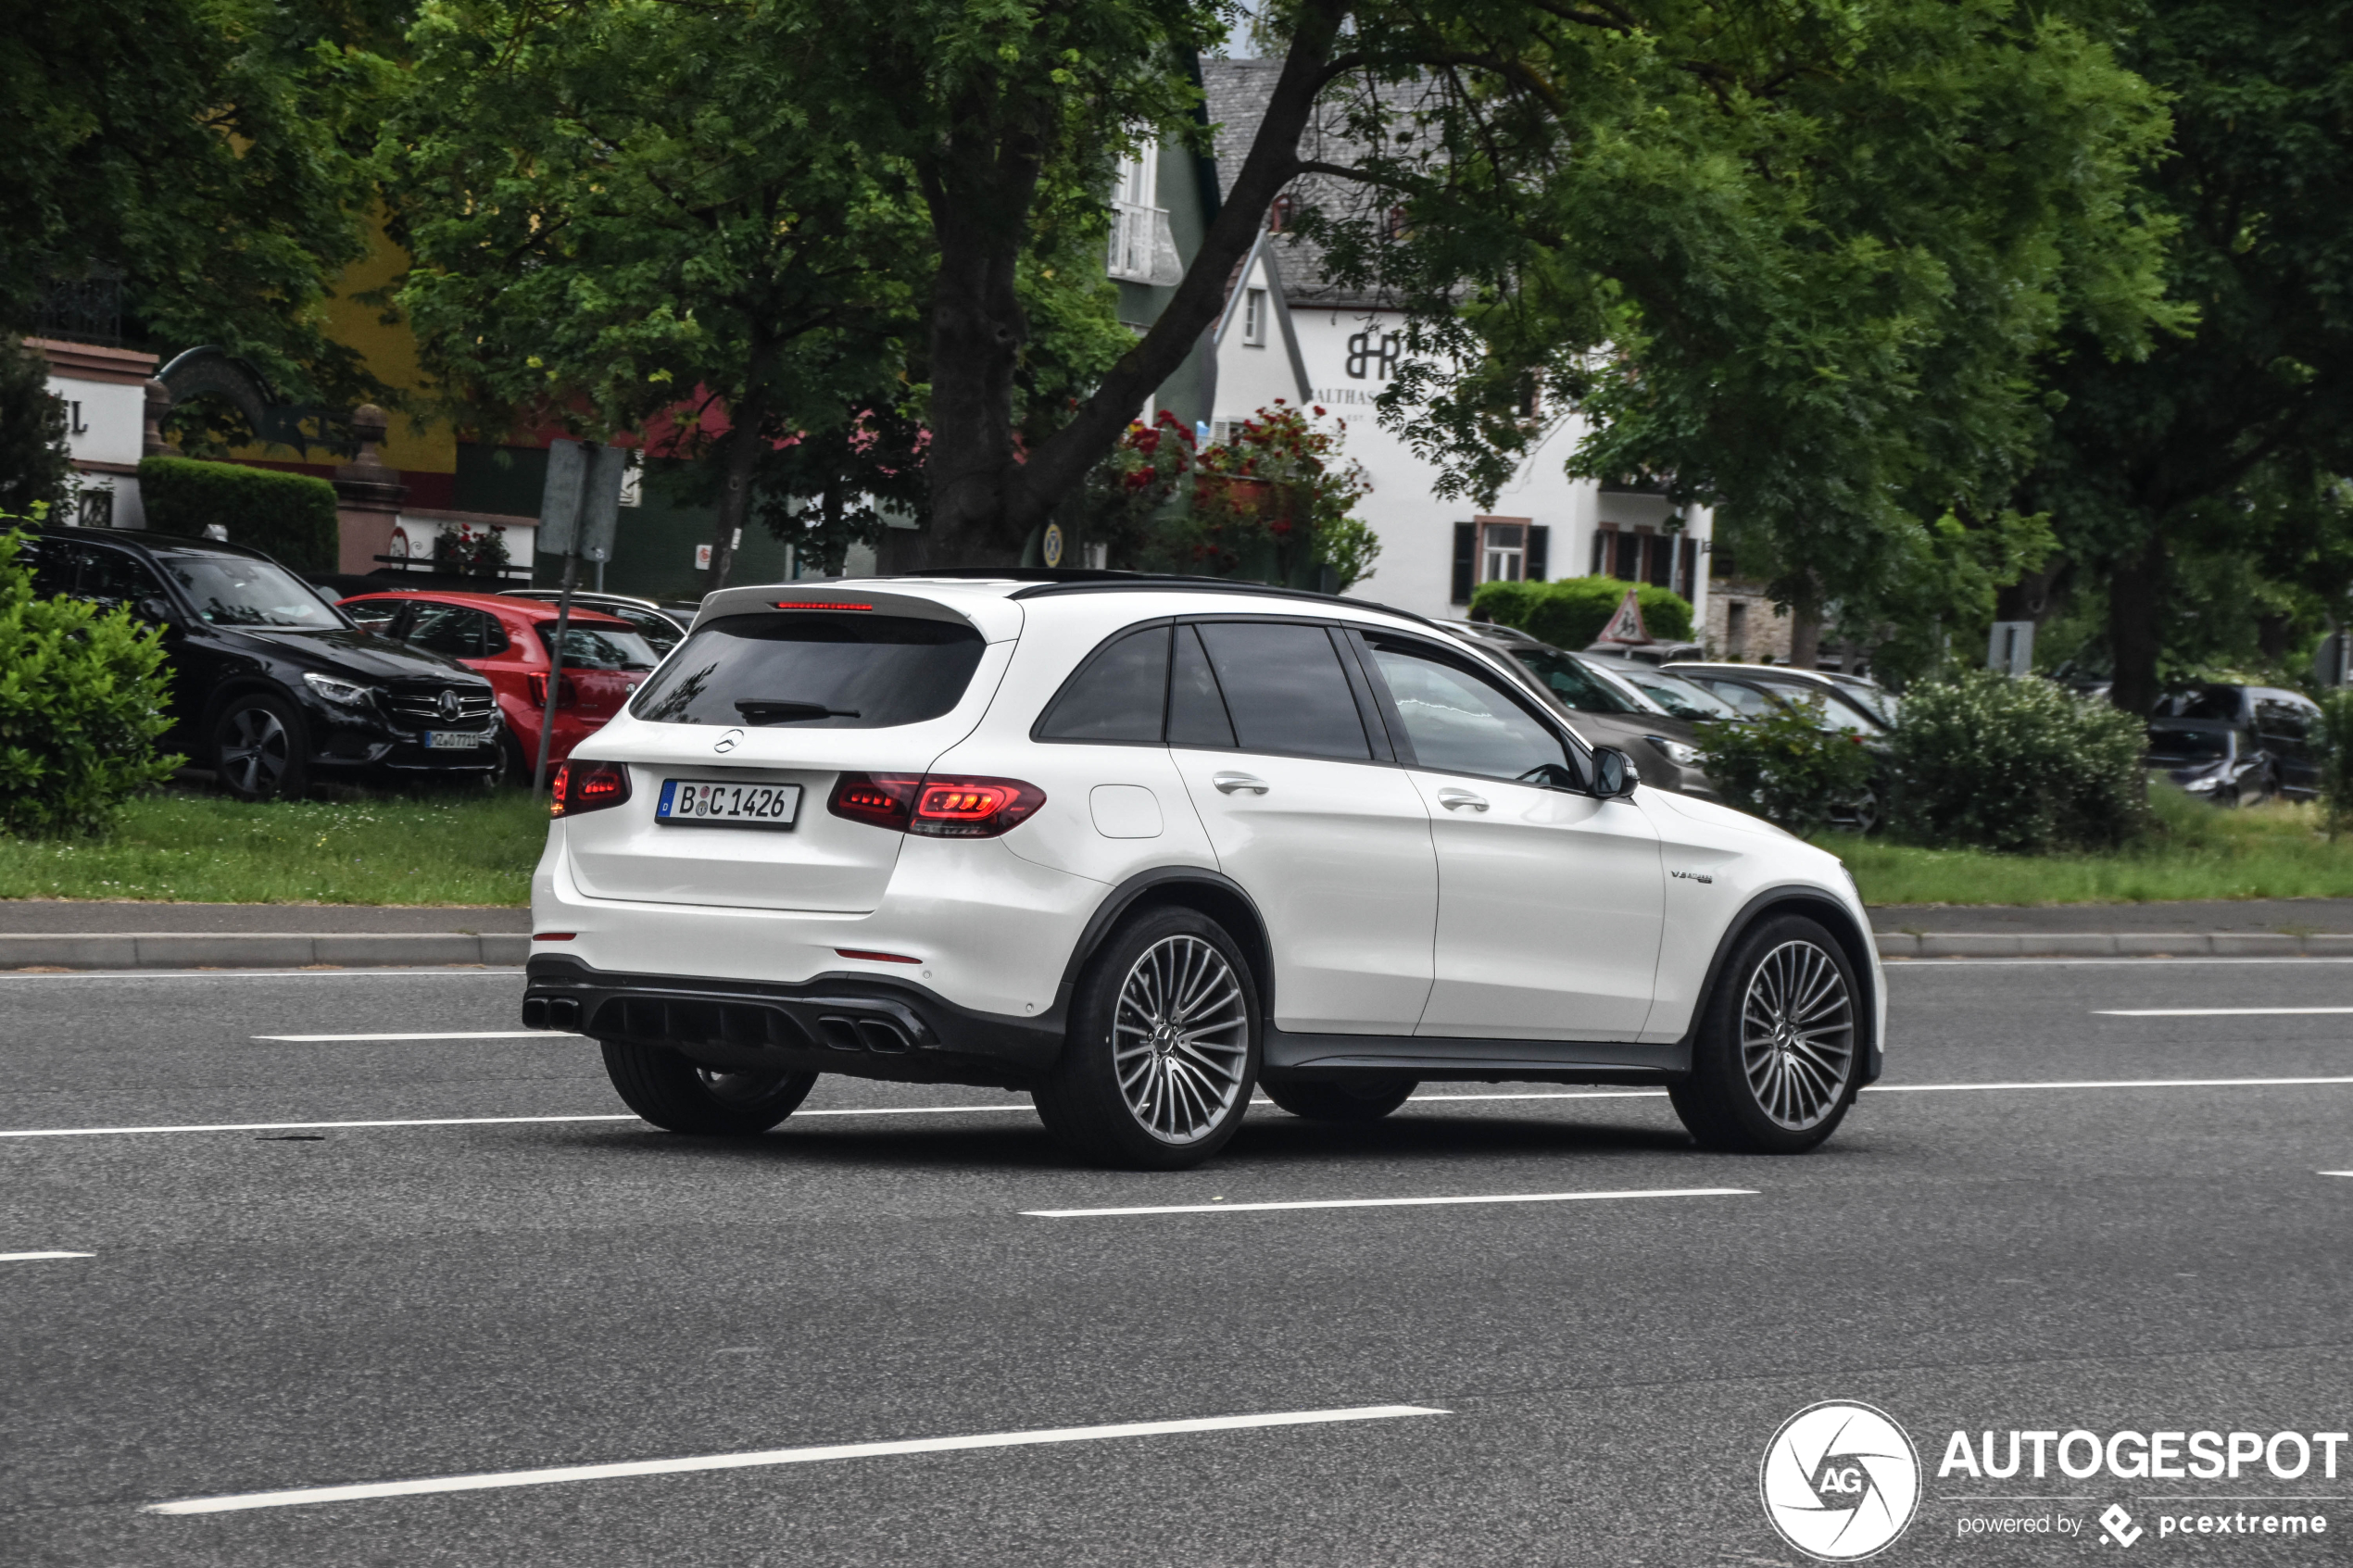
1288	333
104	390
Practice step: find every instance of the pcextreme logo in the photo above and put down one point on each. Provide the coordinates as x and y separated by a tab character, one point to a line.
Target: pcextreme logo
1840	1481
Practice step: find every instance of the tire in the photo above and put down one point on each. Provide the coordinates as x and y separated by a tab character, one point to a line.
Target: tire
1755	1086
260	748
1156	1070
685	1097
514	768
1368	1101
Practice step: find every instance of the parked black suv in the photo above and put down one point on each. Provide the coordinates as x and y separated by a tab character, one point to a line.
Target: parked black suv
272	686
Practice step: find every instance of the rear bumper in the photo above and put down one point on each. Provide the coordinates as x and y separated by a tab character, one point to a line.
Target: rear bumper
863	1025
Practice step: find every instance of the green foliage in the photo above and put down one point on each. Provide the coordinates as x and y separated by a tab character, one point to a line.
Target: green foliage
290	516
1786	767
203	153
1981	760
1571	612
35	467
1267	504
81	707
2334	735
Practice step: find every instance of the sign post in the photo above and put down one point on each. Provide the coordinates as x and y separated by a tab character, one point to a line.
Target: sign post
579	512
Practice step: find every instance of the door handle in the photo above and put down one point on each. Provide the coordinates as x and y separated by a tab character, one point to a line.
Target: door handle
1229	783
1453	799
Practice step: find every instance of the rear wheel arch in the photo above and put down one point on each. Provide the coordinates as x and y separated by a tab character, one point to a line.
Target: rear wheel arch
1193	887
1856	944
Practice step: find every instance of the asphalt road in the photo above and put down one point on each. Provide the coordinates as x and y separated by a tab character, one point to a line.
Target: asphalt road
270	1307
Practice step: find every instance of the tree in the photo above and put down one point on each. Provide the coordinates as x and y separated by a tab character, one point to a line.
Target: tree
198	155
1792	257
620	208
35	467
2214	459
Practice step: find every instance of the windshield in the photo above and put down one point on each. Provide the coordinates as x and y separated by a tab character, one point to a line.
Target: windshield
1685	700
1576	684
2188	745
819	671
1840	709
599	647
233	591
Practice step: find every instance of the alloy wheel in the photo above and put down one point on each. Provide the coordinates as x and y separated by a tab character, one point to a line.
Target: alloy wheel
1798	1035
254	750
1180	1039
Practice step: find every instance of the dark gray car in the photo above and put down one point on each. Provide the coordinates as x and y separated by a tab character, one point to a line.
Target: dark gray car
1608	711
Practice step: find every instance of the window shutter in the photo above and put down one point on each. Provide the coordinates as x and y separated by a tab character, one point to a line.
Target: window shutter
1540	551
1465	561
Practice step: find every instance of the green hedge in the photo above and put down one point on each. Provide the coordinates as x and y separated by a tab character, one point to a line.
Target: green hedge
1571	612
290	516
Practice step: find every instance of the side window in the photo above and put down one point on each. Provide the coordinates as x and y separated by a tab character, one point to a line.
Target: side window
450	628
1116	695
2278	717
1285	690
375	615
1461	721
659	634
109	578
1196	709
1751	703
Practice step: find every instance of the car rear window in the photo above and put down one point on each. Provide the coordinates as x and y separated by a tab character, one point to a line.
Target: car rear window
805	670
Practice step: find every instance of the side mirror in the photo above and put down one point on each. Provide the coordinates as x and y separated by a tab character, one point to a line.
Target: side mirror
156	611
1613	776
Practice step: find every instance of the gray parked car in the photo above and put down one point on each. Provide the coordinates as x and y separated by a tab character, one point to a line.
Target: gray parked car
1607	710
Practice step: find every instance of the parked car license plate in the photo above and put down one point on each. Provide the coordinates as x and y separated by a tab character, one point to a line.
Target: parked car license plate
456	740
693	801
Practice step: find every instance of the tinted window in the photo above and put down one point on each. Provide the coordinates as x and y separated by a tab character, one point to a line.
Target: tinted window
232	590
2219	703
599	647
2280	717
659	633
2189	746
456	630
833	671
111	579
376	615
1575	685
1196	711
1745	699
1117	695
1684	699
1461	721
1285	690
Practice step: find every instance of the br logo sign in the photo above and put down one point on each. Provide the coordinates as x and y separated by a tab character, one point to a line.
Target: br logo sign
1840	1481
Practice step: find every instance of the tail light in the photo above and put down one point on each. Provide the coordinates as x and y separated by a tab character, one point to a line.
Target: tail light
587	786
934	807
567	694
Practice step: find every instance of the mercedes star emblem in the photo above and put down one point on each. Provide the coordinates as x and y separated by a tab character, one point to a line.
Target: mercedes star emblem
448	703
728	741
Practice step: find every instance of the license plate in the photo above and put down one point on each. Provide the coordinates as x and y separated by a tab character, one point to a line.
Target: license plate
456	740
694	802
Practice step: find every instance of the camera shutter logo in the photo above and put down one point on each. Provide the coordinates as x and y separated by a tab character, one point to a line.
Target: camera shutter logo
1840	1481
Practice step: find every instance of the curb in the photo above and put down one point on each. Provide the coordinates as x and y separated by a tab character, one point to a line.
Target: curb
2107	944
258	949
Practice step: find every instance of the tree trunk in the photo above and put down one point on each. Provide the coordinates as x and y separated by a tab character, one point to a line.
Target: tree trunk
735	497
1805	635
979	190
2135	604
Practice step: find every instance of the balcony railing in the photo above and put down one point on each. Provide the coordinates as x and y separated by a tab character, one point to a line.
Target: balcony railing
1142	249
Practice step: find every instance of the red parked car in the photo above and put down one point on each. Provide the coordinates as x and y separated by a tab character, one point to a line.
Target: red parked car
507	640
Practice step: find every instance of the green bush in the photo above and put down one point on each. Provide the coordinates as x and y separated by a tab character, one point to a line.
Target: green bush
2334	735
1571	612
290	516
1787	769
81	707
1983	761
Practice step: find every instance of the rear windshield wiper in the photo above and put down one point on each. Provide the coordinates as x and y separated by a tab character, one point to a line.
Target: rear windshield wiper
770	710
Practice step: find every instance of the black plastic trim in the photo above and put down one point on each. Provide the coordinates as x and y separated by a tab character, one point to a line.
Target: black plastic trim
1257	943
863	1025
1290	1054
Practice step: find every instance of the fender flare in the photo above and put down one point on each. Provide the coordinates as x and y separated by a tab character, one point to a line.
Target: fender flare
1815	903
1211	892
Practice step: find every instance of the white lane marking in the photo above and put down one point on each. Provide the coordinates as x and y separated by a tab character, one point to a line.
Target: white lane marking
2210	1012
1896	965
2337	1173
1388	1202
779	1456
36	1257
300	1126
2107	1084
467	1035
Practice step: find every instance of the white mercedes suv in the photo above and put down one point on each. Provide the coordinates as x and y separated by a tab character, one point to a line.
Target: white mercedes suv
1137	845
